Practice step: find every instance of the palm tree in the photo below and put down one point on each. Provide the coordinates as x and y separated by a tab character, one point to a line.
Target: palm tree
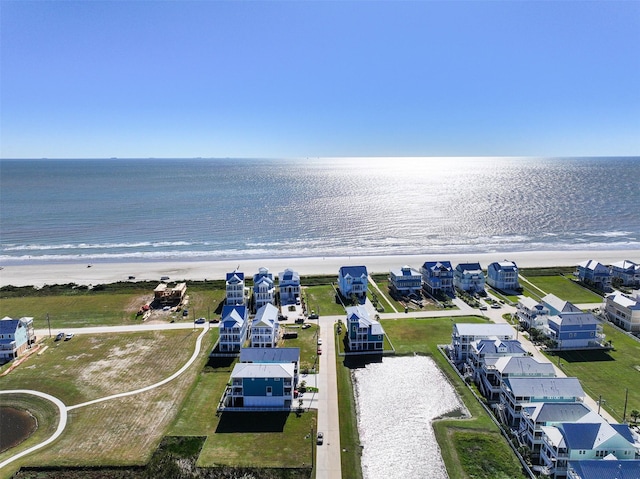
635	414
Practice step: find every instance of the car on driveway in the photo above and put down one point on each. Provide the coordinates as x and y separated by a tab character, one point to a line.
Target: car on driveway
59	336
68	336
320	438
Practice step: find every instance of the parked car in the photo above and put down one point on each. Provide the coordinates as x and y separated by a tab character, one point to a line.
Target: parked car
320	438
59	336
68	336
299	320
313	315
319	341
483	308
200	321
185	312
495	306
214	321
306	326
319	351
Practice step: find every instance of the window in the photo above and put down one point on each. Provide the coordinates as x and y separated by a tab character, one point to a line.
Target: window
269	390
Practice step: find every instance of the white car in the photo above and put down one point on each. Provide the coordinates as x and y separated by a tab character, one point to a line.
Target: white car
319	341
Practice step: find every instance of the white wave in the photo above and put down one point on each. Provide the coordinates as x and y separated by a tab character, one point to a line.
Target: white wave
68	246
610	234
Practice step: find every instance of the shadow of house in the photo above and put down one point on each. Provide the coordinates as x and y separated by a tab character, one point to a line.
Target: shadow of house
252	422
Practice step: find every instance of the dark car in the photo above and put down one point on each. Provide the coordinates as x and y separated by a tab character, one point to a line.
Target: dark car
185	312
59	336
320	439
313	315
200	321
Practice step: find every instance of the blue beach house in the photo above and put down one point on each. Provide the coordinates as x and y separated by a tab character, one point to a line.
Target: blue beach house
16	336
575	330
265	329
469	277
365	333
235	288
264	288
405	281
289	286
594	274
233	328
260	386
503	275
353	280
437	277
627	271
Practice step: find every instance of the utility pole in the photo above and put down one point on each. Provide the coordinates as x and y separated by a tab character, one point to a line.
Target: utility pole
624	412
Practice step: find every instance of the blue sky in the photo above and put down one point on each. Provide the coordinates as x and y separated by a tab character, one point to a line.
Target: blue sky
319	78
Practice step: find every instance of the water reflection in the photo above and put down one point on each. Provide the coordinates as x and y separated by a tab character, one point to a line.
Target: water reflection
15	426
396	401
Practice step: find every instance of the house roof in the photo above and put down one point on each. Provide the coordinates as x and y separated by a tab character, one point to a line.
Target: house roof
545	387
233	315
289	275
574	319
267	316
469	267
8	325
269	355
609	469
406	271
494	345
359	313
558	305
593	432
592	264
503	265
438	265
556	412
626	264
484	329
528	302
257	281
353	271
624	300
263	370
523	365
235	277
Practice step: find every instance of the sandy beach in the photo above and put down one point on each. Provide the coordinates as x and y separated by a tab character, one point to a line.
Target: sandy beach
99	273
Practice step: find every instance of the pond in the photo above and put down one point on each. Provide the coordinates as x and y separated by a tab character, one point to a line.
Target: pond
396	401
16	426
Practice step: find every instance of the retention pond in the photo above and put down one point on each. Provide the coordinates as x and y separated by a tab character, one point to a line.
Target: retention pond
16	426
397	401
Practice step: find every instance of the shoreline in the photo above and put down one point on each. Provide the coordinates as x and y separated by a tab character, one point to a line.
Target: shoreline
38	275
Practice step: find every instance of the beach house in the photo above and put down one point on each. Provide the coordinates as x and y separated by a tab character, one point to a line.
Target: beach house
16	336
594	274
494	369
353	281
364	332
437	277
517	393
235	293
264	288
489	350
556	305
233	328
503	276
289	286
271	356
531	313
265	329
464	334
405	281
469	277
260	386
627	272
588	438
623	310
575	330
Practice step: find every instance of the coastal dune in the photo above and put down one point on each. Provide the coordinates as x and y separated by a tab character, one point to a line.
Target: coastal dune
100	273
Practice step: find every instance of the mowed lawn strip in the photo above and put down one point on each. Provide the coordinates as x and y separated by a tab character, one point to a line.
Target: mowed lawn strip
564	288
122	431
612	374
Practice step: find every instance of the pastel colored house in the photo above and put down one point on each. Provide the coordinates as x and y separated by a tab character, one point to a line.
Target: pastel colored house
556	305
353	280
628	272
364	333
260	386
235	292
575	330
484	350
265	329
16	336
469	277
503	275
589	438
233	328
464	334
536	415
289	286
623	311
264	288
437	277
405	281
495	369
517	393
594	274
531	313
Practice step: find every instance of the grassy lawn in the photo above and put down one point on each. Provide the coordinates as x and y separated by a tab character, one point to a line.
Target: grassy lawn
563	287
609	374
307	341
119	431
454	436
322	299
283	439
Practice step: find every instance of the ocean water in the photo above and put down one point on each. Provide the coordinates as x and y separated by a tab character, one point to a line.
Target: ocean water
195	209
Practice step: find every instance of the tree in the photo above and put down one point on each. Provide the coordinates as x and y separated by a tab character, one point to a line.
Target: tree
635	414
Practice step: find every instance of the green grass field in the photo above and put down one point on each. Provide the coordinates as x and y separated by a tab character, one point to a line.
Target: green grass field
322	300
561	286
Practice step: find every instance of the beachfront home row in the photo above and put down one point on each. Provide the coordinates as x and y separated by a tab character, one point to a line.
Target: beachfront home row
464	334
16	336
437	278
628	272
503	276
235	327
405	281
594	274
623	310
264	379
353	281
264	289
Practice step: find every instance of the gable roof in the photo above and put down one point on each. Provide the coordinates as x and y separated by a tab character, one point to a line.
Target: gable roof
267	316
547	412
609	469
523	365
469	268
360	314
353	271
289	275
557	305
235	277
493	345
545	387
9	325
437	265
263	370
269	355
624	300
233	316
574	319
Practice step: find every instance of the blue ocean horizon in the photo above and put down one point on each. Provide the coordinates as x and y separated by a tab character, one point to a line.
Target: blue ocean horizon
122	210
